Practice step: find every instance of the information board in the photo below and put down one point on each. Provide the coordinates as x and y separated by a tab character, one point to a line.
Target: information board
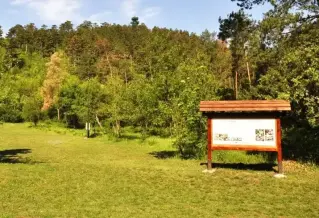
244	132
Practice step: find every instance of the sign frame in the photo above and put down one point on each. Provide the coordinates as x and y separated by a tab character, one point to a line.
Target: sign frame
244	110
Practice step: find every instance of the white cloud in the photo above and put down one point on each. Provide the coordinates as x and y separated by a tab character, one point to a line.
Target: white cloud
100	17
53	10
129	7
19	2
132	8
59	11
150	12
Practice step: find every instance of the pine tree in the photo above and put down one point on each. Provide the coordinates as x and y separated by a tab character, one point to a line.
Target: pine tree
135	22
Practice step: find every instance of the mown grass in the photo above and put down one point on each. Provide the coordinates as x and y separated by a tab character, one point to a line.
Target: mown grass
50	174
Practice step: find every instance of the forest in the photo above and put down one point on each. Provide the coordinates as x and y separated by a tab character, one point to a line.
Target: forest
152	80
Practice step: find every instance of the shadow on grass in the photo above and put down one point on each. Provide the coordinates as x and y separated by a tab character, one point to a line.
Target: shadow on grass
129	137
241	166
12	156
95	135
164	154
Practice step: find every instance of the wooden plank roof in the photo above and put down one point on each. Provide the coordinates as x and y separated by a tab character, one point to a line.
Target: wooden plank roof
245	106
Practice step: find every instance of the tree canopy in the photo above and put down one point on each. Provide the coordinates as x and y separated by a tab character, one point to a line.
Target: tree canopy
116	76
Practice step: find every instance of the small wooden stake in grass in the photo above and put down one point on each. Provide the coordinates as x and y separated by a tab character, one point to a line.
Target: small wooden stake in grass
88	128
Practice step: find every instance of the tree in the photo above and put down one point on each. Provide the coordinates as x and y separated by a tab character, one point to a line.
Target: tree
248	4
194	83
143	105
2	59
66	29
10	100
236	29
153	79
135	22
288	69
32	109
291	42
30	31
1	36
88	100
82	52
116	107
68	101
56	72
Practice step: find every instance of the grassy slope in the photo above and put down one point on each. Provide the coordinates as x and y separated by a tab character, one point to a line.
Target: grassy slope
69	176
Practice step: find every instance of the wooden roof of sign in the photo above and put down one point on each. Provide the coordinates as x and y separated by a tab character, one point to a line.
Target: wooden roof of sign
245	106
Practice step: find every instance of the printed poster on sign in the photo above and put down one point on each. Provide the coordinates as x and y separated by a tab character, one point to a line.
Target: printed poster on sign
244	132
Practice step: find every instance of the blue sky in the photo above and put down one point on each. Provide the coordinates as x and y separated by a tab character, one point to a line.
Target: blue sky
194	16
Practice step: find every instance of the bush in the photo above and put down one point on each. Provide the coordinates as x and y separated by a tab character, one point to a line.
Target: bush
32	109
12	115
301	143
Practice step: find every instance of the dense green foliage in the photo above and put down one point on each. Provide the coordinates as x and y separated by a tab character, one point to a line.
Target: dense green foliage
153	79
114	76
281	51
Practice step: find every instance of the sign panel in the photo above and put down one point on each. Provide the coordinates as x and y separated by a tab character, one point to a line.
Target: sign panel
245	132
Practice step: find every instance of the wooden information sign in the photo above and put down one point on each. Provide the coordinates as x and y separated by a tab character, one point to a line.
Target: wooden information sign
244	125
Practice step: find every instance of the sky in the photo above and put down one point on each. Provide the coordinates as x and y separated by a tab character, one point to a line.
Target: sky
194	16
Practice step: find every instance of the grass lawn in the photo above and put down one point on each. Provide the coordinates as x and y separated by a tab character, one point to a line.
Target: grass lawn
49	174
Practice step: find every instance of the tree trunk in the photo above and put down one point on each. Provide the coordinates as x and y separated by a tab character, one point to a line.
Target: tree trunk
117	128
236	85
98	121
150	69
131	69
109	63
125	74
248	73
58	114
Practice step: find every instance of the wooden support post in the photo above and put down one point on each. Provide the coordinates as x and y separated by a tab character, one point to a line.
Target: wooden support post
209	143
279	150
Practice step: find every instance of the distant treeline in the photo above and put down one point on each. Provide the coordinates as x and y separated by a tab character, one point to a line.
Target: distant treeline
153	79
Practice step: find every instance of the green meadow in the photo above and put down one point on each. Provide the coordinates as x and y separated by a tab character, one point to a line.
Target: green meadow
55	172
